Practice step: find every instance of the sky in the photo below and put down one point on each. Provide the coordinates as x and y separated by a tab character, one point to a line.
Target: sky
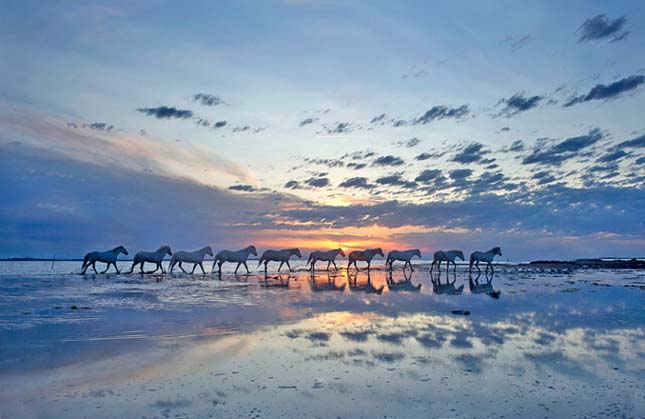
323	124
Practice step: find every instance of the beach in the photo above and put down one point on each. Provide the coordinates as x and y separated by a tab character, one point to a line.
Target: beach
531	342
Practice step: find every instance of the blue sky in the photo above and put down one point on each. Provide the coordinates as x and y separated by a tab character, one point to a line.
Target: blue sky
461	124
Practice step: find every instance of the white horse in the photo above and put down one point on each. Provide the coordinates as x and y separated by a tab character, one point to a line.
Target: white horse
281	256
487	257
239	256
404	255
196	258
448	256
363	255
108	257
156	257
327	256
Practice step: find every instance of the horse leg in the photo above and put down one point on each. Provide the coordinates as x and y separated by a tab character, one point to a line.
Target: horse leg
266	262
455	263
312	268
491	267
202	267
289	266
182	268
356	266
163	271
237	267
335	267
280	267
477	266
84	268
116	267
369	262
247	268
328	264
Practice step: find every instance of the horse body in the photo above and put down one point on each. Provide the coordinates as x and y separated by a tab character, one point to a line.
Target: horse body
404	255
108	257
447	256
281	256
196	258
240	257
156	257
487	257
328	256
364	256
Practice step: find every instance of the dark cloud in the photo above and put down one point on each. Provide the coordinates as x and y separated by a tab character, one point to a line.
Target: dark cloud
356	166
244	128
567	149
378	119
439	112
517	145
638	142
338	128
167	112
516	42
516	104
358	155
219	124
608	91
202	122
544	177
307	121
325	162
460	174
470	154
207	99
247	188
396	180
72	125
602	27
317	182
429	175
100	126
292	184
612	156
356	182
388	161
427	156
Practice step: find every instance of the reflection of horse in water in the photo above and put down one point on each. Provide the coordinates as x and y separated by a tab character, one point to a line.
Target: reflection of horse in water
484	288
327	256
447	256
281	256
448	288
363	255
196	258
329	285
487	257
156	257
404	255
108	257
403	285
240	257
279	281
368	287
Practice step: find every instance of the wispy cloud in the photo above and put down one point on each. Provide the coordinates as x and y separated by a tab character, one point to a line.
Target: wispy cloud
608	91
601	27
167	112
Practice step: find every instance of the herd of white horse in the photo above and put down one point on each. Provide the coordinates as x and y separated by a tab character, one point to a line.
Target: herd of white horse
196	258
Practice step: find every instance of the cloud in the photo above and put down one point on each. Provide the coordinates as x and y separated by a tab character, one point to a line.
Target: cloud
517	145
338	128
307	121
638	142
317	182
412	142
427	156
202	122
440	112
356	166
396	180
388	161
219	124
460	174
207	99
100	126
429	175
602	27
516	104
166	112
331	163
356	182
567	149
608	91
470	154
244	128
292	184
246	188
516	42
612	156
380	119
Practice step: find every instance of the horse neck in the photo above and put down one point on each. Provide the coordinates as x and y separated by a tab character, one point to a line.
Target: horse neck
246	251
160	251
116	250
292	252
201	252
492	252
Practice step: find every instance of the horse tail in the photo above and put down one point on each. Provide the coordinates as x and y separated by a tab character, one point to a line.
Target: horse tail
472	260
260	260
86	260
311	255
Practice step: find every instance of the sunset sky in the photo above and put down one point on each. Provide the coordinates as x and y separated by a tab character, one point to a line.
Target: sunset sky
320	124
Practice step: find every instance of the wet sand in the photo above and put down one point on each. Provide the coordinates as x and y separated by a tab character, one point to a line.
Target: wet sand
536	342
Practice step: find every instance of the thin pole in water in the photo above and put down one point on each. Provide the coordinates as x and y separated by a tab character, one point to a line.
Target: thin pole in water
53	260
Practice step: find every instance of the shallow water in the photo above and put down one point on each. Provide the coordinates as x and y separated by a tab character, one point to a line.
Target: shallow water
537	343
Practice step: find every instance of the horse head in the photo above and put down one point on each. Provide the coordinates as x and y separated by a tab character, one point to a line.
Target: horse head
497	251
252	250
417	252
208	250
295	251
165	249
120	249
340	251
460	254
378	251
